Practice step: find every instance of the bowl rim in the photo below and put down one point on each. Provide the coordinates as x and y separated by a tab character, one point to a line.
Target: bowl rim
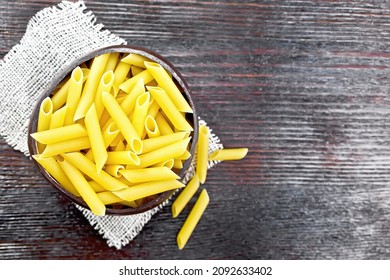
184	88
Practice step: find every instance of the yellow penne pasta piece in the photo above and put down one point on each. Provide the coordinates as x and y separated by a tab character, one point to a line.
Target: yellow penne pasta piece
161	141
135	59
177	163
229	154
44	116
151	127
167	163
59	98
166	83
202	153
147	189
135	70
105	84
96	138
140	112
112	62
60	134
85	190
123	123
169	108
109	134
153	108
88	94
149	174
185	196
67	146
128	104
96	186
114	170
58	118
88	168
193	219
163	125
74	94
120	74
122	157
129	84
110	198
55	170
164	153
184	156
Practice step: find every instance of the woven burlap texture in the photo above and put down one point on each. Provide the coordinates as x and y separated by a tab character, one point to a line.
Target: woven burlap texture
55	37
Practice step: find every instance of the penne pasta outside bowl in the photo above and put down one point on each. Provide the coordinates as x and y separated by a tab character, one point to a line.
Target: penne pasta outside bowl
116	131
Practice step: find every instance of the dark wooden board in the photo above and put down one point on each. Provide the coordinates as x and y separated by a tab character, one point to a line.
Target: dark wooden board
303	84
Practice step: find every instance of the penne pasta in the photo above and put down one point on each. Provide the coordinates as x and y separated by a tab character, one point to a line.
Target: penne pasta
229	154
88	94
163	125
193	219
98	146
161	141
59	98
109	134
120	74
202	153
113	133
74	94
129	84
122	157
165	82
184	156
178	164
151	127
164	153
111	62
185	195
60	134
128	104
72	145
96	187
44	119
167	163
149	174
114	170
110	198
147	189
153	108
55	170
135	59
169	108
85	190
58	118
104	85
140	112
88	168
123	123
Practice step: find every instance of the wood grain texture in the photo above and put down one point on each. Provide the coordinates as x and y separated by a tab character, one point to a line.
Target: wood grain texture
303	84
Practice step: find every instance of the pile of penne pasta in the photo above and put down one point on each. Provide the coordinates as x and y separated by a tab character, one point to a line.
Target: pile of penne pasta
115	132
